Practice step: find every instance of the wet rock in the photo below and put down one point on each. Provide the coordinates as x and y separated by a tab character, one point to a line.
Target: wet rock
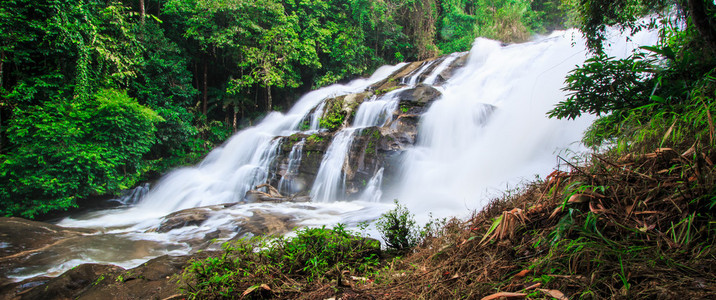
397	79
22	239
421	95
19	236
339	111
12	290
393	81
450	71
187	217
365	159
401	133
155	279
71	283
314	148
259	196
263	223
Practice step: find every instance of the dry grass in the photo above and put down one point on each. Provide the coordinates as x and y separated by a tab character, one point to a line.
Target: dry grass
630	227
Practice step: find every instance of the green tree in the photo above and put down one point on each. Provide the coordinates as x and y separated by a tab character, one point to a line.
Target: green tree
662	93
68	149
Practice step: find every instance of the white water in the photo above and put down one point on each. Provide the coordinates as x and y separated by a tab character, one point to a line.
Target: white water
316	117
377	111
430	80
223	177
286	185
413	78
229	171
330	182
373	190
488	130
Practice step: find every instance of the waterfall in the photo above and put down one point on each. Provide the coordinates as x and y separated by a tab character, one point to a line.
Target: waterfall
486	131
444	64
373	190
330	181
489	131
412	78
229	171
377	111
316	117
131	197
286	185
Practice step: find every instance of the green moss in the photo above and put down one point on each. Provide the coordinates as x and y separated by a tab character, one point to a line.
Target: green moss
373	138
334	116
386	90
314	138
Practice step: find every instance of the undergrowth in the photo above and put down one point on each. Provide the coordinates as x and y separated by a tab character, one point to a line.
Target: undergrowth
314	260
629	227
632	227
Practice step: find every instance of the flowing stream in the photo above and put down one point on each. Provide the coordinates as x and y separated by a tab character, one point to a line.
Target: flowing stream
486	133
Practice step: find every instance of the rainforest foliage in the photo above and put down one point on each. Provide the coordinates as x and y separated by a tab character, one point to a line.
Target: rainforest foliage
98	95
662	95
635	222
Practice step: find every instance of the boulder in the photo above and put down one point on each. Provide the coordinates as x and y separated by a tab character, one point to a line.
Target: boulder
264	223
314	148
72	283
340	110
394	80
186	217
421	95
156	279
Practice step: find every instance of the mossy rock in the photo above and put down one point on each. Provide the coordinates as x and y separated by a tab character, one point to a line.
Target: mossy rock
340	111
314	149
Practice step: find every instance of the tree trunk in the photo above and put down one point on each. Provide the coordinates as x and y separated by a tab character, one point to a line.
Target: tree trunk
206	96
2	59
269	101
235	125
700	11
141	11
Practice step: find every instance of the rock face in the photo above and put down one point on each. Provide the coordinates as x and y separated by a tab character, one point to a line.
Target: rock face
373	148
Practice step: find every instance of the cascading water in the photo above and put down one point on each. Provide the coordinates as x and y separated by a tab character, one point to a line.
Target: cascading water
287	185
488	129
316	117
228	172
373	190
330	181
433	77
222	177
413	79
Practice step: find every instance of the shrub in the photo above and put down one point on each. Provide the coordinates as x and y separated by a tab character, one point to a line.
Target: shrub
67	149
258	265
398	229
